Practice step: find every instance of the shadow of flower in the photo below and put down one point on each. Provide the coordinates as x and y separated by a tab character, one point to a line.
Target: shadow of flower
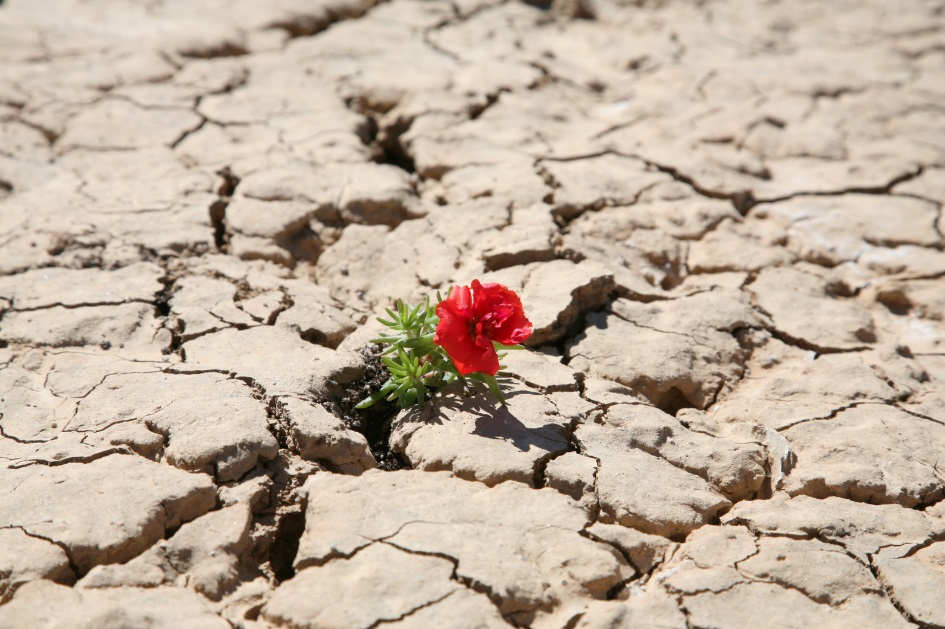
491	421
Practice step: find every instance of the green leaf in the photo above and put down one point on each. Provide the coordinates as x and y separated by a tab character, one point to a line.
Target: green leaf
500	347
393	367
490	382
423	345
376	397
398	392
415	312
448	367
402	355
385	339
370	400
402	389
496	391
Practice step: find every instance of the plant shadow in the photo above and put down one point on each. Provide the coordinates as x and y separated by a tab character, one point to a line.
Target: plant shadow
491	420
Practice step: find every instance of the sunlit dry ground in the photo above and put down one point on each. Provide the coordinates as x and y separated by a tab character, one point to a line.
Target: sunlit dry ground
724	219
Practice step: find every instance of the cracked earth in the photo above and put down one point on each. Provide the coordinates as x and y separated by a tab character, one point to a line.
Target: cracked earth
725	223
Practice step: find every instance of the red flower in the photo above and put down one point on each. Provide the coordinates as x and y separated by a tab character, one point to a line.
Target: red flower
470	319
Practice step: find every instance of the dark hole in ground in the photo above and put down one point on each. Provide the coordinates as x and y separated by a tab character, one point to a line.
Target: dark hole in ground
302	243
896	301
217	219
286	545
384	142
679	538
743	202
228	185
391	151
315	337
615	591
162	303
673	401
374	422
225	191
369	130
865	335
162	306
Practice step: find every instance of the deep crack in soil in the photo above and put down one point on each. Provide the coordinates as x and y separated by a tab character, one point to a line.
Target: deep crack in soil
375	421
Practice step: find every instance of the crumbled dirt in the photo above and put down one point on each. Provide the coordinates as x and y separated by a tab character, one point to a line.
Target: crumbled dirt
375	421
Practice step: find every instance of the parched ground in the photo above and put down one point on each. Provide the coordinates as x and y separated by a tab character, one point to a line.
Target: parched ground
724	219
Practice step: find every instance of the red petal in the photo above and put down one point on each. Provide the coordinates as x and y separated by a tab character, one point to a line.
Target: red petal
478	356
500	310
469	353
457	303
455	334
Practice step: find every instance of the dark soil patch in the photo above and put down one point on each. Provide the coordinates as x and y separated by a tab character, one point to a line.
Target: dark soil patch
374	422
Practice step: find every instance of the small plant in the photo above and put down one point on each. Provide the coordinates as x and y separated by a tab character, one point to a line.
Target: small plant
464	335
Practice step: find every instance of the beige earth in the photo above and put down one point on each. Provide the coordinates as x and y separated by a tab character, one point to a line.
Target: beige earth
724	220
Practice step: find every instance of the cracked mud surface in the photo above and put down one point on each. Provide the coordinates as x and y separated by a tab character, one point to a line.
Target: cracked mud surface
726	225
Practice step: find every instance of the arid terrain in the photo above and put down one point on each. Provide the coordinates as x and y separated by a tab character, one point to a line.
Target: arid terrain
724	220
